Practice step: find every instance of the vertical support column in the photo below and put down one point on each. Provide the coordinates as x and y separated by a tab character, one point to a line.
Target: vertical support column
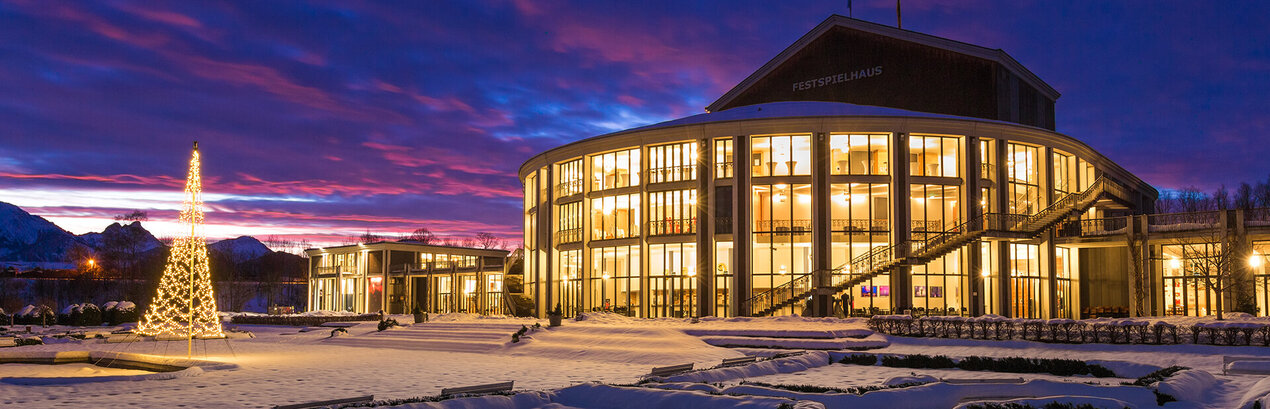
545	242
1002	199
973	173
705	232
902	226
1047	247
645	282
822	280
742	282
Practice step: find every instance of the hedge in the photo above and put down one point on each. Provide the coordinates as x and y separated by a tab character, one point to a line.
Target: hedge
300	320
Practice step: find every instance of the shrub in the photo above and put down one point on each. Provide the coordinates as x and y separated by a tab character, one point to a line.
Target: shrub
1153	377
918	361
91	315
300	321
121	312
339	331
71	315
43	315
1012	405
24	341
1060	367
860	359
854	390
388	323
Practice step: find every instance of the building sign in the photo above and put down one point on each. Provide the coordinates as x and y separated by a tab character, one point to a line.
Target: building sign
837	79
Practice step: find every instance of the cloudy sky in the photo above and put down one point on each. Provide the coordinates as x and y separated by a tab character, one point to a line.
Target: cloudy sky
331	118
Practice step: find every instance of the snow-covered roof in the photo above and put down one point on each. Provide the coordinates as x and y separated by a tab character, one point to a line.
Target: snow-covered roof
803	109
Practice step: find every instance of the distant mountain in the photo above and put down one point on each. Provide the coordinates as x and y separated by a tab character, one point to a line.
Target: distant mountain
243	248
26	237
119	235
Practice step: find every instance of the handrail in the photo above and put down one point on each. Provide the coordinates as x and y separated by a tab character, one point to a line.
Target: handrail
765	300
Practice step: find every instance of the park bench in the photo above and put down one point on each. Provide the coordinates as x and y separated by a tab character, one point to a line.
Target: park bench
739	360
670	370
325	403
959	381
477	389
1227	360
121	338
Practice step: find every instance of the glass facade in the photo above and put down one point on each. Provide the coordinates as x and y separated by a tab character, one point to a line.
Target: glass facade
635	225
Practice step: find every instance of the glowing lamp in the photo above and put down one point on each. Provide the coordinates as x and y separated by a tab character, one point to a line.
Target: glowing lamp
1255	261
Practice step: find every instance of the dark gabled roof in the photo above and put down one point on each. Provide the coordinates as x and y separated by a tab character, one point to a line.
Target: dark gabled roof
994	55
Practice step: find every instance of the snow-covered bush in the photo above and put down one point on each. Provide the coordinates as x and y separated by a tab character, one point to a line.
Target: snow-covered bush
24	341
70	315
120	312
388	323
90	315
36	315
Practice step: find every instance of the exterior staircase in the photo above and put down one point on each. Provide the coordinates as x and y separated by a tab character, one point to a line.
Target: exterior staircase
882	260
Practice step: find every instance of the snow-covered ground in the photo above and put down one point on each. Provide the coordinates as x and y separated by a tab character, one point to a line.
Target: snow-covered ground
287	365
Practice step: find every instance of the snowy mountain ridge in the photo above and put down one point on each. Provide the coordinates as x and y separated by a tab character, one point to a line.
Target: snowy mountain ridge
241	248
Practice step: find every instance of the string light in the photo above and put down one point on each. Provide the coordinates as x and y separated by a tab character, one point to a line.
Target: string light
185	304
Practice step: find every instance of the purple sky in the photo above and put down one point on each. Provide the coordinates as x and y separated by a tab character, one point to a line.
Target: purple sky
335	118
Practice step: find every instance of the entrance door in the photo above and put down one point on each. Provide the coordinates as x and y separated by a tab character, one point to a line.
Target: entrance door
445	296
468	303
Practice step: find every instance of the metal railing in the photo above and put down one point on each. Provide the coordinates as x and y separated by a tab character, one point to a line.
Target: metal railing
672	174
763	302
672	226
783	226
722	225
1168	222
860	225
569	236
987	171
569	188
1093	227
329	269
723	170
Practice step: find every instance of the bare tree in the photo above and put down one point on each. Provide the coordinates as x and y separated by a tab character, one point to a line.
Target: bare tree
1261	194
368	237
1221	198
134	216
422	236
1190	199
1243	196
1211	258
488	240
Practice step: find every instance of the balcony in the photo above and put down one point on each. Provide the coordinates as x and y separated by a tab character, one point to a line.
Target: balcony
1171	222
722	225
569	188
568	236
672	174
860	225
1093	227
723	170
670	227
987	171
795	226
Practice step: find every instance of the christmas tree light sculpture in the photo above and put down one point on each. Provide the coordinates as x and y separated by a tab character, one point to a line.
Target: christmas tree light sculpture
185	305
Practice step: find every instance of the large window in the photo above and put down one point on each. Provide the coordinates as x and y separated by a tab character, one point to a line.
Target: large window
569	180
1259	261
1024	178
939	286
788	155
615	279
933	156
569	282
615	217
861	222
782	239
672	163
570	223
723	279
1068	282
935	209
672	280
723	158
859	154
1064	174
1027	282
1190	275
672	212
615	169
987	159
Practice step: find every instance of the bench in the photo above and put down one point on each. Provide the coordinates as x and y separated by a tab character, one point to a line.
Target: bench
475	389
1227	359
8	342
324	403
739	360
959	381
670	370
121	338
